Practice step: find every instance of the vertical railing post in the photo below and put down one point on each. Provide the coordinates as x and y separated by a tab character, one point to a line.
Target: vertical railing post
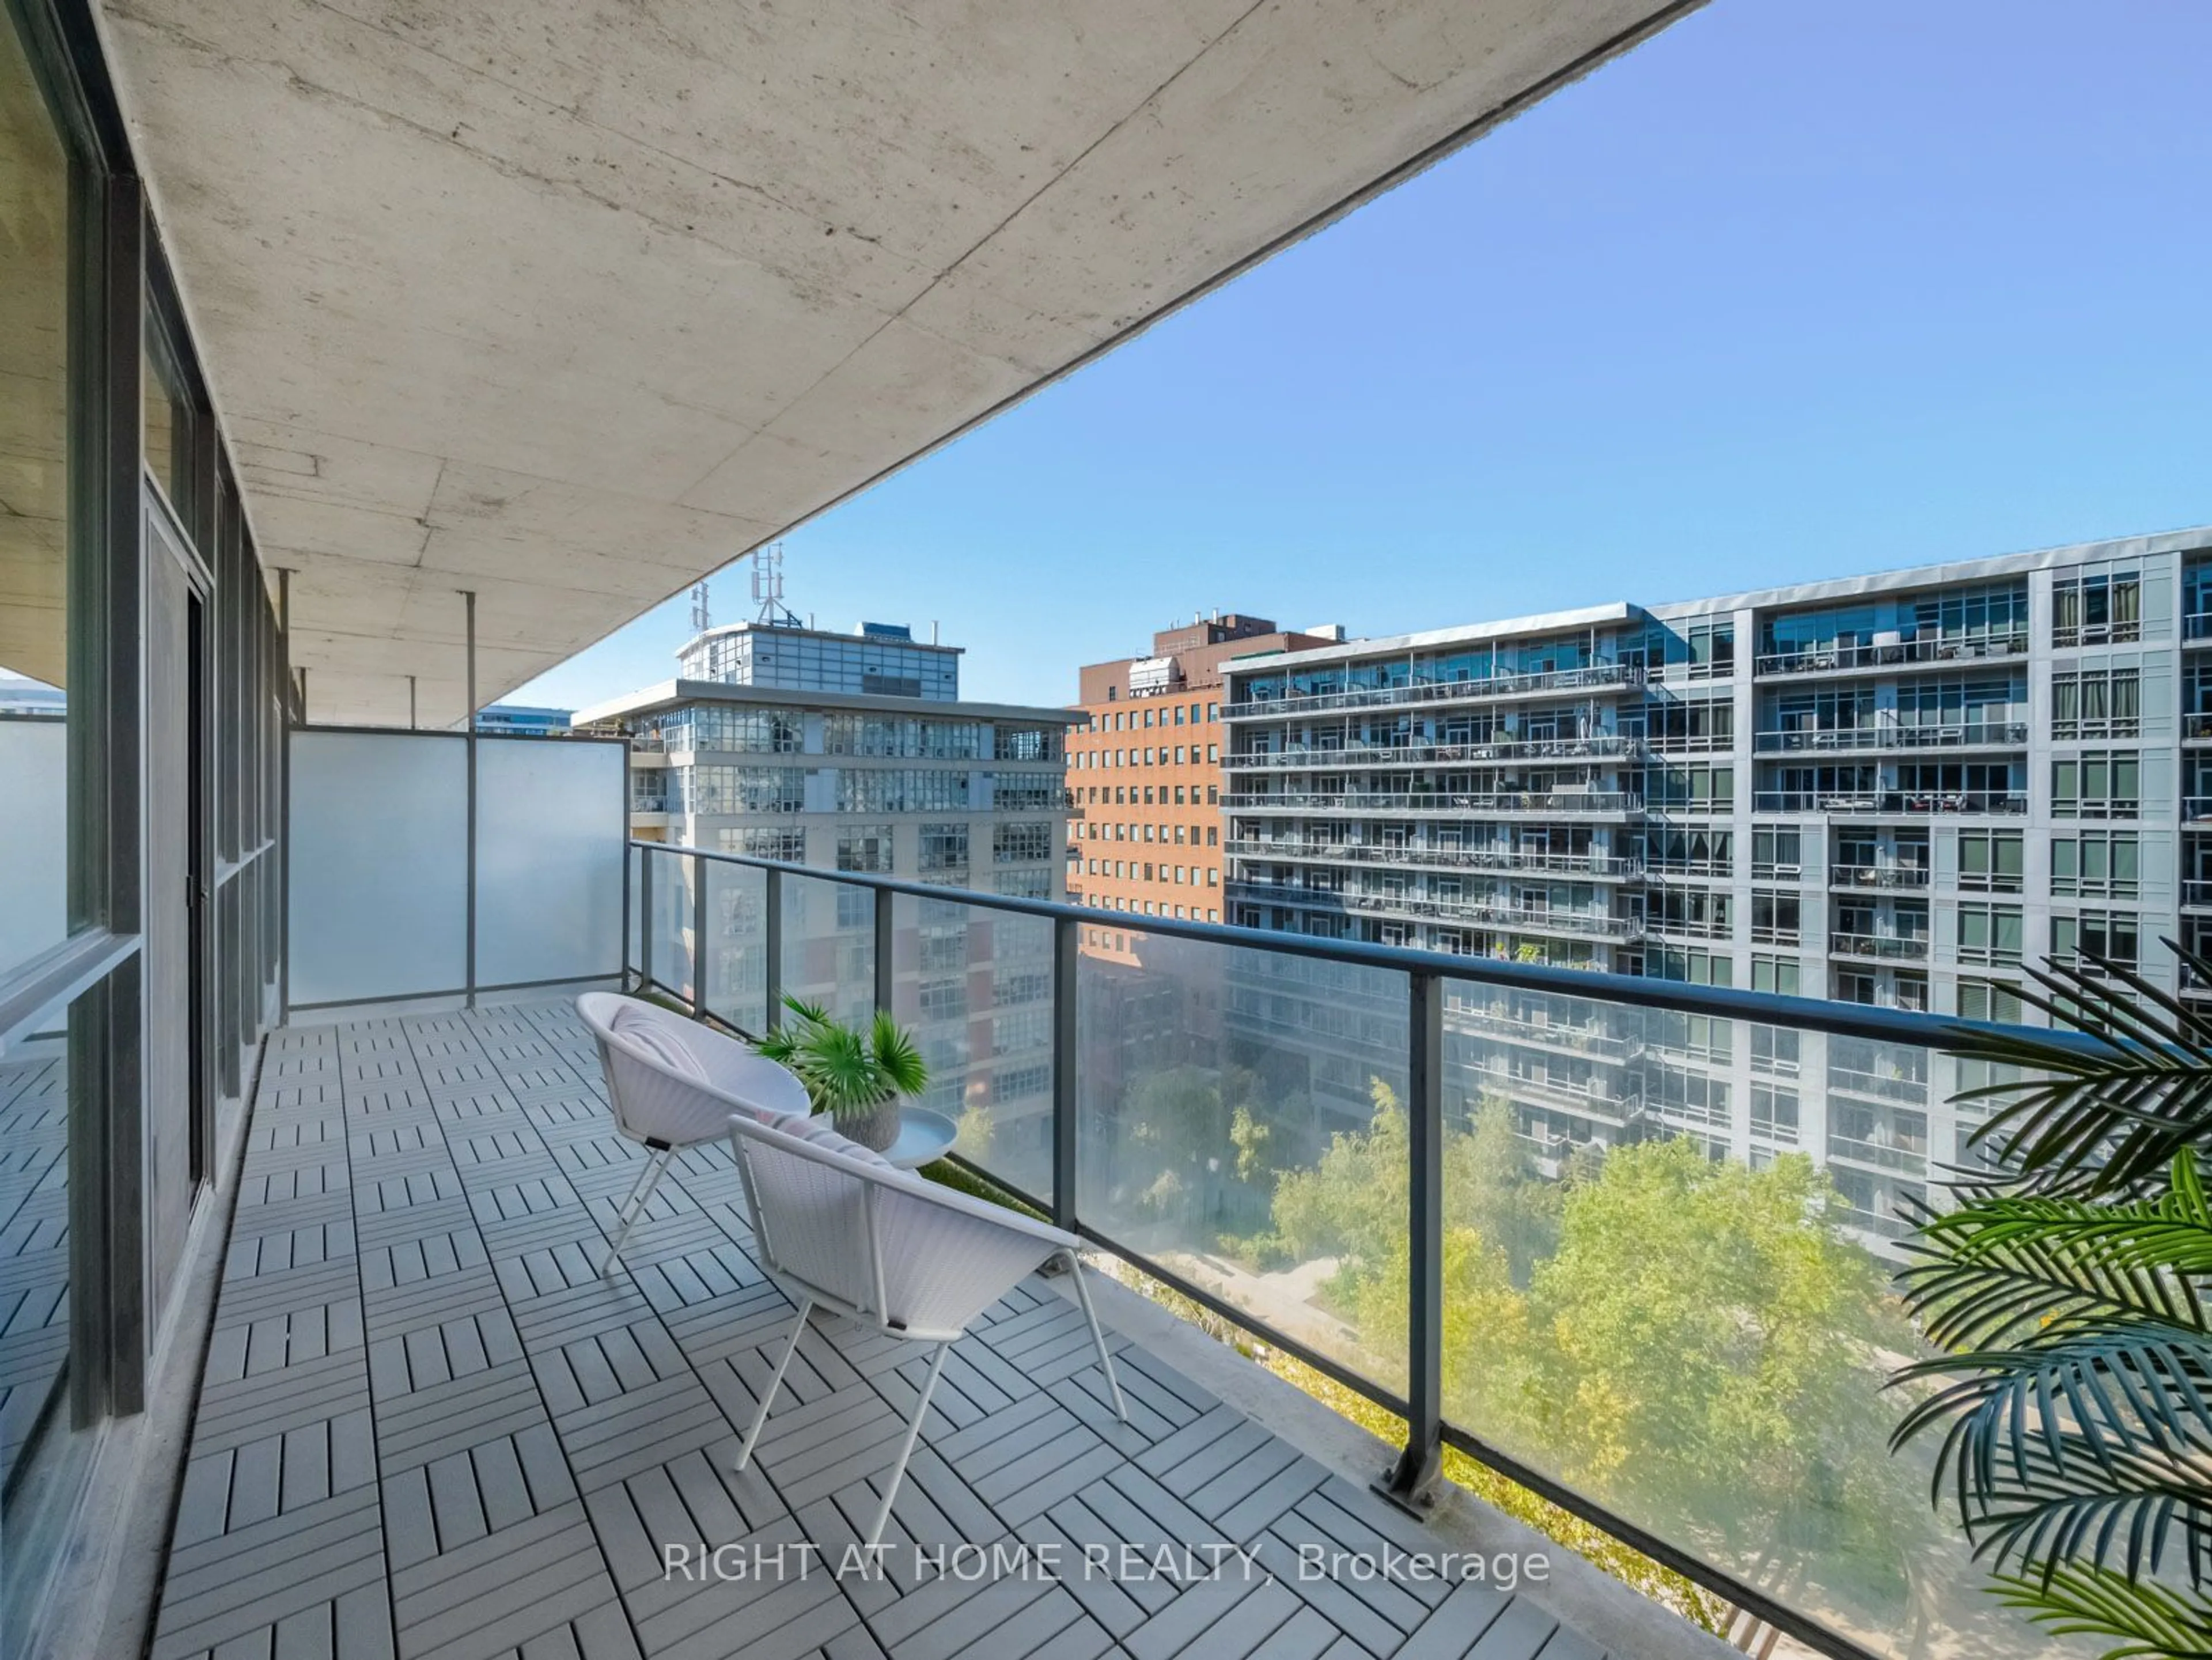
469	601
284	807
1410	1482
772	945
883	915
698	934
644	919
1066	941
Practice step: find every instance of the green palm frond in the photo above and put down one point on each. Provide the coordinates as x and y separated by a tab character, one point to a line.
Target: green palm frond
2083	1504
2004	1261
2075	1392
2149	1619
2115	1101
2172	1232
898	1060
2098	1441
844	1070
2130	1384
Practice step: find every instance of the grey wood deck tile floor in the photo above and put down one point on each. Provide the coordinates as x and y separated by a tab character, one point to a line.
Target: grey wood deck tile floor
429	1428
33	1237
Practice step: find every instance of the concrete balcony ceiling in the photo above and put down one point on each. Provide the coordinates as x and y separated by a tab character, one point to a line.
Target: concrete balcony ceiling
572	304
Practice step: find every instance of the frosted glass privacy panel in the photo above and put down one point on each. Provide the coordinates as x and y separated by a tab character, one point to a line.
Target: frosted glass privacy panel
33	804
380	864
552	820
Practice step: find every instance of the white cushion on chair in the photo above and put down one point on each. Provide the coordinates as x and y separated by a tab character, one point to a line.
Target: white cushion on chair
657	1040
822	1130
672	1080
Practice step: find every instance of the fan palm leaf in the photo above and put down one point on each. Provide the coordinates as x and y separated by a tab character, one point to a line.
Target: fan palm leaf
843	1068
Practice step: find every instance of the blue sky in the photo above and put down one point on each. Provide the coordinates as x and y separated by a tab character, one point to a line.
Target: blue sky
1790	292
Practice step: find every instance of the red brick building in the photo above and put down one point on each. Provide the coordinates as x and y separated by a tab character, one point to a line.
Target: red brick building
1144	776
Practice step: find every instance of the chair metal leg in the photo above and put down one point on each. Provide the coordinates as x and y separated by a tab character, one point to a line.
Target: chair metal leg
906	1447
1097	1337
634	1207
774	1382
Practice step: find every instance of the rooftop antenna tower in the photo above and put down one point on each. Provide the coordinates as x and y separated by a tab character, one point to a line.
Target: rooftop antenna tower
700	622
768	589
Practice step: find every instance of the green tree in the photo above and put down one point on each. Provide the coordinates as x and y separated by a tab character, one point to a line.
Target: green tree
1706	1345
1696	1343
1194	1149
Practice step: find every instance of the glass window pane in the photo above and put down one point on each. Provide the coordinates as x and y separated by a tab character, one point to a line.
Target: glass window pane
34	218
162	426
2124	856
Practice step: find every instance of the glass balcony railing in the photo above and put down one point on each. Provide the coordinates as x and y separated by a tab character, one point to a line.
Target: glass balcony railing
1894	735
1317	758
1878	876
1885	654
2007	802
1483	857
1545	803
1474	913
1907	946
1595	676
1324	1142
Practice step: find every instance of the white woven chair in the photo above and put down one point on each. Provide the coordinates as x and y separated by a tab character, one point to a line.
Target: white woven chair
673	1084
836	1227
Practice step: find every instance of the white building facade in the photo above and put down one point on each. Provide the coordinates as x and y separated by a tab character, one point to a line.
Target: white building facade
776	761
1893	789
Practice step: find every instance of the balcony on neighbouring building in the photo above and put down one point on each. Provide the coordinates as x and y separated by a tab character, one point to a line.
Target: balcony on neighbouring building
1326	758
1877	875
1594	677
1897	735
1873	655
1595	922
1898	803
1478	856
1543	804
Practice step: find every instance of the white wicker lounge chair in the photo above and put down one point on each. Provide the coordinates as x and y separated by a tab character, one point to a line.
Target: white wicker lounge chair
836	1227
673	1084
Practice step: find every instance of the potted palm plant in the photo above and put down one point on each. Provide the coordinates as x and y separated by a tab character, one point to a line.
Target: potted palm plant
857	1076
2068	1290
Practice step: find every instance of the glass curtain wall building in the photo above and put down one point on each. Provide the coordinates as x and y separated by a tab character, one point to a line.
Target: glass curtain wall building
767	763
143	687
1891	790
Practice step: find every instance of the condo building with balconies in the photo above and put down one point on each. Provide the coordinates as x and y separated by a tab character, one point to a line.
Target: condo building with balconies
1894	789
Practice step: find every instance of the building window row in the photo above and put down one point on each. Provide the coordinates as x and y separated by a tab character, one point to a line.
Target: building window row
1175	715
730	789
899	789
943	847
756	841
1178	755
1131	795
1026	792
2097	784
2094	609
865	847
1020	844
879	737
2097	703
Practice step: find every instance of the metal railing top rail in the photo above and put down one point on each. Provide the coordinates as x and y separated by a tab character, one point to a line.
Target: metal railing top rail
1870	1022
